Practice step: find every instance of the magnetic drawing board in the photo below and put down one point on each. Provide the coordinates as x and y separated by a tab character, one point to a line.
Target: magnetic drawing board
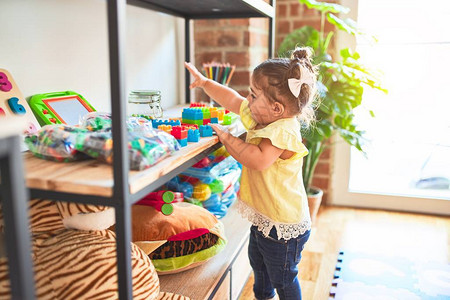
60	107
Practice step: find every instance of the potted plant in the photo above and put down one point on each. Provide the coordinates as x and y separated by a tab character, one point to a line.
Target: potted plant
341	82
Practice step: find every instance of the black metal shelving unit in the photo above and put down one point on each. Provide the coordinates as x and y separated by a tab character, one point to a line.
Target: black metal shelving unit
121	199
211	9
14	198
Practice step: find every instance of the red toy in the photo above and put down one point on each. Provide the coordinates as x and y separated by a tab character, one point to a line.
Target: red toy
179	132
162	201
198	105
202	163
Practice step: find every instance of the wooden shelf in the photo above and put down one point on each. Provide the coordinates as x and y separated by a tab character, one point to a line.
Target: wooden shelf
201	282
91	177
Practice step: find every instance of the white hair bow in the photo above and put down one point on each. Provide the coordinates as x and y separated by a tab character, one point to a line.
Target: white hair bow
295	85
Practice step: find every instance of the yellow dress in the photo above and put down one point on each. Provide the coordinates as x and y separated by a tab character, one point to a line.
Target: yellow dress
275	197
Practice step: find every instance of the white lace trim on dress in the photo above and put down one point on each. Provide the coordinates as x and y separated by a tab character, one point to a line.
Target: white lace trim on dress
286	231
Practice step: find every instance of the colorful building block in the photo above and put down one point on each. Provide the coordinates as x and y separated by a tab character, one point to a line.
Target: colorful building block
197	105
183	142
205	130
190	126
229	118
220	114
166	128
179	132
193	135
206	113
192	116
158	122
213	111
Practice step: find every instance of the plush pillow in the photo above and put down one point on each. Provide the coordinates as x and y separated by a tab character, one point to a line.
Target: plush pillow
188	237
82	265
86	216
78	264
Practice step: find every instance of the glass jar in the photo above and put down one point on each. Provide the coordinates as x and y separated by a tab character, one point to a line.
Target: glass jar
146	103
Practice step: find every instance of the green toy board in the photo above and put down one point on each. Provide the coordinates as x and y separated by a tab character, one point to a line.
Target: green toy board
60	107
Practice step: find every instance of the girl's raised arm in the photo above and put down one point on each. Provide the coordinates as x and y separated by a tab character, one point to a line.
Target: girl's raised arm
225	96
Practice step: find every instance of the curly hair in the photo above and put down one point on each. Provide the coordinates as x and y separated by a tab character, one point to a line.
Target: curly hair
272	76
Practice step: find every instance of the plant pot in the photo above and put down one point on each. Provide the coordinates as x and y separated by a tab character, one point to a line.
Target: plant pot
314	201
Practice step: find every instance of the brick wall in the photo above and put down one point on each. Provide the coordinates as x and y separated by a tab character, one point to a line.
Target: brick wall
244	42
240	42
291	15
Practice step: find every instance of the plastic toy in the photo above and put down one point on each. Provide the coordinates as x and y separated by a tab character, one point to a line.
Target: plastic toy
213	182
216	114
198	105
158	122
203	163
205	131
188	237
13	103
184	187
193	135
162	200
166	128
179	132
202	115
201	192
147	146
142	116
192	116
206	115
65	107
55	142
229	118
183	142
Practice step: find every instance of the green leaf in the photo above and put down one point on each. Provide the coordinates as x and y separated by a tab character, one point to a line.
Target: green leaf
325	127
341	82
325	7
347	25
306	36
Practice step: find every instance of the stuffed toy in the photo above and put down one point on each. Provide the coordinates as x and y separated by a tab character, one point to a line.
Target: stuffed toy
187	237
74	255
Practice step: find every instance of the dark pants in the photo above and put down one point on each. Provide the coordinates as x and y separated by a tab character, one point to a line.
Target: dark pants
274	264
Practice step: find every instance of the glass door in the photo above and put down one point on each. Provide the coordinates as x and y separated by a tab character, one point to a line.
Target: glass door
407	162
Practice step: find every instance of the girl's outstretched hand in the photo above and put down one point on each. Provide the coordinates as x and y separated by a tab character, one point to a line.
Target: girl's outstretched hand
199	79
221	131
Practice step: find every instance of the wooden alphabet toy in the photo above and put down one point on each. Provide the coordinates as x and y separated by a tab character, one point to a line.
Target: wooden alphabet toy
13	103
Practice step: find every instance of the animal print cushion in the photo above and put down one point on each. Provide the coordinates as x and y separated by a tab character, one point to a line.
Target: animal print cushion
86	216
180	248
170	296
46	216
82	265
43	214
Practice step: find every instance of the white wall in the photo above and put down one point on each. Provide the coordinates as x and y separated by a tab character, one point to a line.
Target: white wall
59	45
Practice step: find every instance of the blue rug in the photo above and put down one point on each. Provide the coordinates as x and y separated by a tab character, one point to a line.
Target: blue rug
361	276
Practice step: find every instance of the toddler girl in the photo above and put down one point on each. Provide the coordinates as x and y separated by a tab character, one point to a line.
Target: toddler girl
272	194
